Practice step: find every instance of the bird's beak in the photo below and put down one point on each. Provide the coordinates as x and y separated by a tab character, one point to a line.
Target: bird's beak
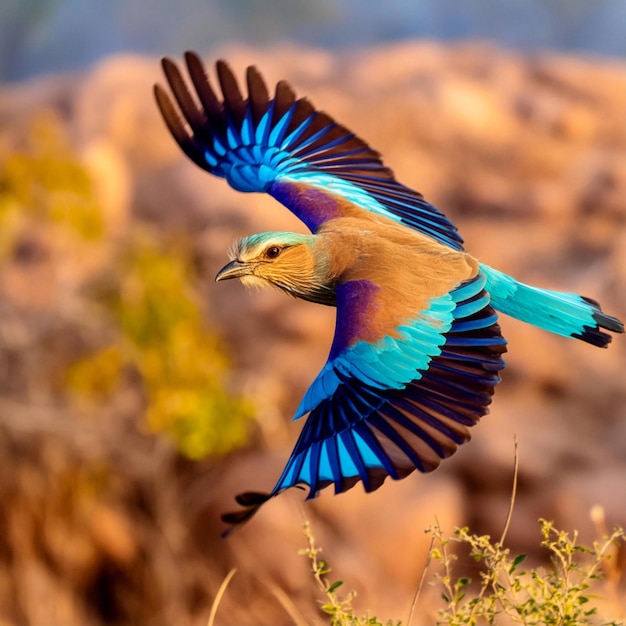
234	269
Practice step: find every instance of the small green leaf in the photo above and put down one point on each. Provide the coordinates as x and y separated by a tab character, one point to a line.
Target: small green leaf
330	609
334	586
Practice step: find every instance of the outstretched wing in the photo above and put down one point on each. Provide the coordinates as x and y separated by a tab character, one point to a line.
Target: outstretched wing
400	403
283	146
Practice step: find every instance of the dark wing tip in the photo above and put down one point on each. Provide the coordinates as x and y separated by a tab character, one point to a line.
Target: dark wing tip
284	92
255	81
172	119
258	94
223	66
594	335
192	58
233	99
608	322
200	80
252	498
207	124
252	502
170	69
257	89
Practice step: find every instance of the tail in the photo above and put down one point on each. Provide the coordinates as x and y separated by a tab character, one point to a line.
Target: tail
565	314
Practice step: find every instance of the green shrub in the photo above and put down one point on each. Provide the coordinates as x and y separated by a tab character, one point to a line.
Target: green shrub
336	605
563	595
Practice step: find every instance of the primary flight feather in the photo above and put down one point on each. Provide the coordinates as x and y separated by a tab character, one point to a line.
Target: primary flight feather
417	348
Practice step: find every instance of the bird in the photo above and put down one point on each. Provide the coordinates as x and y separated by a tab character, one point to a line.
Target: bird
417	347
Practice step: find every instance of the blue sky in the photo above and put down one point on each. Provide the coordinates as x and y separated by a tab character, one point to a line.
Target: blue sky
39	36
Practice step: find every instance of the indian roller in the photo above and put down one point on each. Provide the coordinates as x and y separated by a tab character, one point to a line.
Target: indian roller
417	348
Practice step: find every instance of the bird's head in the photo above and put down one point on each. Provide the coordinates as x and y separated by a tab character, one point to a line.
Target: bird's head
288	261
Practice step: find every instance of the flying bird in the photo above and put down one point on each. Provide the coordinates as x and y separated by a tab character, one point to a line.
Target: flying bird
417	348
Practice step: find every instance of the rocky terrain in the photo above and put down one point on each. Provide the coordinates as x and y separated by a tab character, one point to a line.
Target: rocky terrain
104	522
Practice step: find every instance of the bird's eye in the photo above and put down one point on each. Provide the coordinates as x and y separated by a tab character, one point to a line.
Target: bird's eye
272	252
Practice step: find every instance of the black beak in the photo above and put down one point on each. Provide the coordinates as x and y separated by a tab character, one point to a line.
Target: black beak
234	269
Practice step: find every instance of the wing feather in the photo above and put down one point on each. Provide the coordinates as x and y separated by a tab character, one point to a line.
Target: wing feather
388	417
278	145
234	104
200	80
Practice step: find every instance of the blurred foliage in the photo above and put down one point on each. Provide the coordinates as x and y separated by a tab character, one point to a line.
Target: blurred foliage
44	181
162	336
147	302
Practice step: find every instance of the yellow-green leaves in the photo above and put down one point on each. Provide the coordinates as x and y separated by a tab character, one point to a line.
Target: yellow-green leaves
161	335
134	294
43	180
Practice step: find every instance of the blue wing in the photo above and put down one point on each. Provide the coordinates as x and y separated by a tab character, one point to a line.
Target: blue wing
399	404
283	146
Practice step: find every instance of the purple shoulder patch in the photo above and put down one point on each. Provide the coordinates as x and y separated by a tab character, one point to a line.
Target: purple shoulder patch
356	307
312	206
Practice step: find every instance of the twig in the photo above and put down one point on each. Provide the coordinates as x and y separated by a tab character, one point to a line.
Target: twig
219	595
487	581
287	603
421	581
509	515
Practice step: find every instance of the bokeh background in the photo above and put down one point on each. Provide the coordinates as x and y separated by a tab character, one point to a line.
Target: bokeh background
137	397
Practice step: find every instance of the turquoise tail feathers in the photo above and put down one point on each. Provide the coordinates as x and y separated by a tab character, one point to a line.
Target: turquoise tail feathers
562	313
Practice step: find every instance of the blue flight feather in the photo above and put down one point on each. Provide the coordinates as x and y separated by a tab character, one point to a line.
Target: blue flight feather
382	397
380	365
291	143
382	405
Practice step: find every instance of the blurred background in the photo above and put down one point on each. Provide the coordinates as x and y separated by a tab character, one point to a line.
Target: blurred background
38	36
137	397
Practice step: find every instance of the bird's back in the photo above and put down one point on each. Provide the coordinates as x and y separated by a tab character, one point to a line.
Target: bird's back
411	266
